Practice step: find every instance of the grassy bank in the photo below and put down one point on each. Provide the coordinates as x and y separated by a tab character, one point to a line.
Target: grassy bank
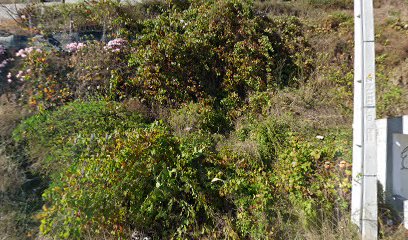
222	119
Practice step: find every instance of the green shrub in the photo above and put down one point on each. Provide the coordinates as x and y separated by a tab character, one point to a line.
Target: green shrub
111	173
216	49
100	71
141	179
248	185
199	116
43	74
55	138
112	184
337	19
390	98
284	171
271	138
88	71
307	172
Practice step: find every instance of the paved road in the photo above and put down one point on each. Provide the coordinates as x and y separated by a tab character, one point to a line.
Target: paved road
7	9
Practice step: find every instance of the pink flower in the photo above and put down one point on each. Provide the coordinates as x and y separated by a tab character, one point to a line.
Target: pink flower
29	49
3	64
20	74
116	44
26	51
74	46
21	53
18	54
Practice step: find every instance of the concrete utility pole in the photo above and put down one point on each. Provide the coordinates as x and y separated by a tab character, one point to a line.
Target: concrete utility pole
364	187
356	193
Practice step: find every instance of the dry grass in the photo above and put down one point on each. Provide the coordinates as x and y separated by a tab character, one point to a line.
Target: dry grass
10	114
343	230
400	233
10	174
12	27
327	227
11	178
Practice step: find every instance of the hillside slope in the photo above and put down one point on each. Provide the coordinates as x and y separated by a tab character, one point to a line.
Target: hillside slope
222	119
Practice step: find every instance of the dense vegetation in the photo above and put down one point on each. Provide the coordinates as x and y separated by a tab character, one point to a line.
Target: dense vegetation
187	120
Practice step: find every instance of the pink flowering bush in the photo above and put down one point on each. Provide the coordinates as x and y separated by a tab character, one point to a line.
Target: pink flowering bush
74	47
27	51
9	76
85	70
116	45
3	63
44	76
21	75
102	70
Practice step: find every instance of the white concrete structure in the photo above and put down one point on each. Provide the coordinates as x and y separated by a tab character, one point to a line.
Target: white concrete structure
406	214
386	129
364	186
400	165
392	160
356	199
